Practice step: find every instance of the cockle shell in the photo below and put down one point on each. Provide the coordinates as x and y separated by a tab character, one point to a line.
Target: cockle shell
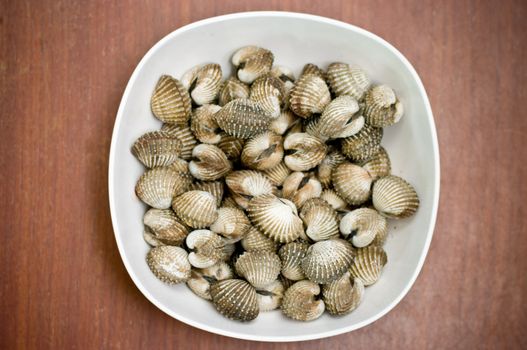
157	148
299	187
326	261
201	279
343	295
341	118
303	151
156	187
203	82
352	183
394	197
259	268
365	226
286	282
381	106
270	296
204	126
291	255
347	80
208	248
165	226
275	217
235	299
309	96
320	220
246	184
216	188
231	146
325	168
363	145
263	151
299	302
334	199
231	223
229	202
254	240
379	164
313	69
283	122
210	163
252	62
185	135
181	167
169	263
269	92
243	118
368	264
277	174
285	75
196	209
150	237
170	101
232	89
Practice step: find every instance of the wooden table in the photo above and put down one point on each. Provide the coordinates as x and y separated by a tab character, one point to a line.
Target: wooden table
63	68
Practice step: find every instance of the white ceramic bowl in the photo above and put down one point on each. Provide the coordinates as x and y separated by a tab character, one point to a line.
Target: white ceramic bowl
294	39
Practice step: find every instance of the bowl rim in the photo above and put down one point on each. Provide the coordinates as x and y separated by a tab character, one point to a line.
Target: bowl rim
295	15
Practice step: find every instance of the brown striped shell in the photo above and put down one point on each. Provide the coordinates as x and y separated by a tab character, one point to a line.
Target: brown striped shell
320	220
207	248
368	264
300	302
150	237
231	146
235	299
309	96
246	184
165	226
365	226
252	62
156	187
157	148
232	89
263	151
352	183
269	92
379	164
185	135
347	80
363	145
325	168
170	101
333	199
259	268
210	163
277	174
394	197
243	118
203	125
291	255
305	151
254	240
231	223
201	279
313	69
196	209
203	83
216	188
298	187
169	263
270	296
343	295
381	106
326	261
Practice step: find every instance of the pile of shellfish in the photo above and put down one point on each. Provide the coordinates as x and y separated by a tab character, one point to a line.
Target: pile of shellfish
269	191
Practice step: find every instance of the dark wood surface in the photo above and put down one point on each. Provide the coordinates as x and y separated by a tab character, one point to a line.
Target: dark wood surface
63	68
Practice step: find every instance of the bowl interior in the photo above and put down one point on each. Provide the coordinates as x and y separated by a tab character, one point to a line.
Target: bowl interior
295	40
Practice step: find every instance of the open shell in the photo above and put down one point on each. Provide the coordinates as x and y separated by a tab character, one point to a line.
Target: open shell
170	101
201	279
347	80
185	135
165	226
320	220
365	226
269	92
231	223
232	89
325	168
207	248
309	96
210	163
299	302
263	151
196	209
352	183
291	255
243	118
368	264
156	187
259	268
252	62
326	261
157	148
382	108
270	296
203	83
204	126
306	151
363	145
394	197
169	263
343	295
277	174
246	184
299	187
235	299
254	240
216	188
379	164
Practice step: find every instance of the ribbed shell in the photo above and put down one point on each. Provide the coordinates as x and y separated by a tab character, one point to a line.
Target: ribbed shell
231	146
363	145
277	174
283	122
185	135
232	89
291	255
252	62
210	163
275	217
229	202
393	197
320	221
203	125
169	264
197	209
308	150
341	118
365	225
181	167
245	184
269	92
201	279
309	96
150	237
156	187
263	151
368	264
157	148
326	261
208	248
299	302
378	165
203	83
325	168
313	69
332	197
298	187
259	268
254	240
270	296
165	226
352	183
343	295
346	80
170	101
243	118
216	188
381	106
231	223
235	299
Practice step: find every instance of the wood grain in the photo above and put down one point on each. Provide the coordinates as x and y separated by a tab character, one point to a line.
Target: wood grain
63	68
